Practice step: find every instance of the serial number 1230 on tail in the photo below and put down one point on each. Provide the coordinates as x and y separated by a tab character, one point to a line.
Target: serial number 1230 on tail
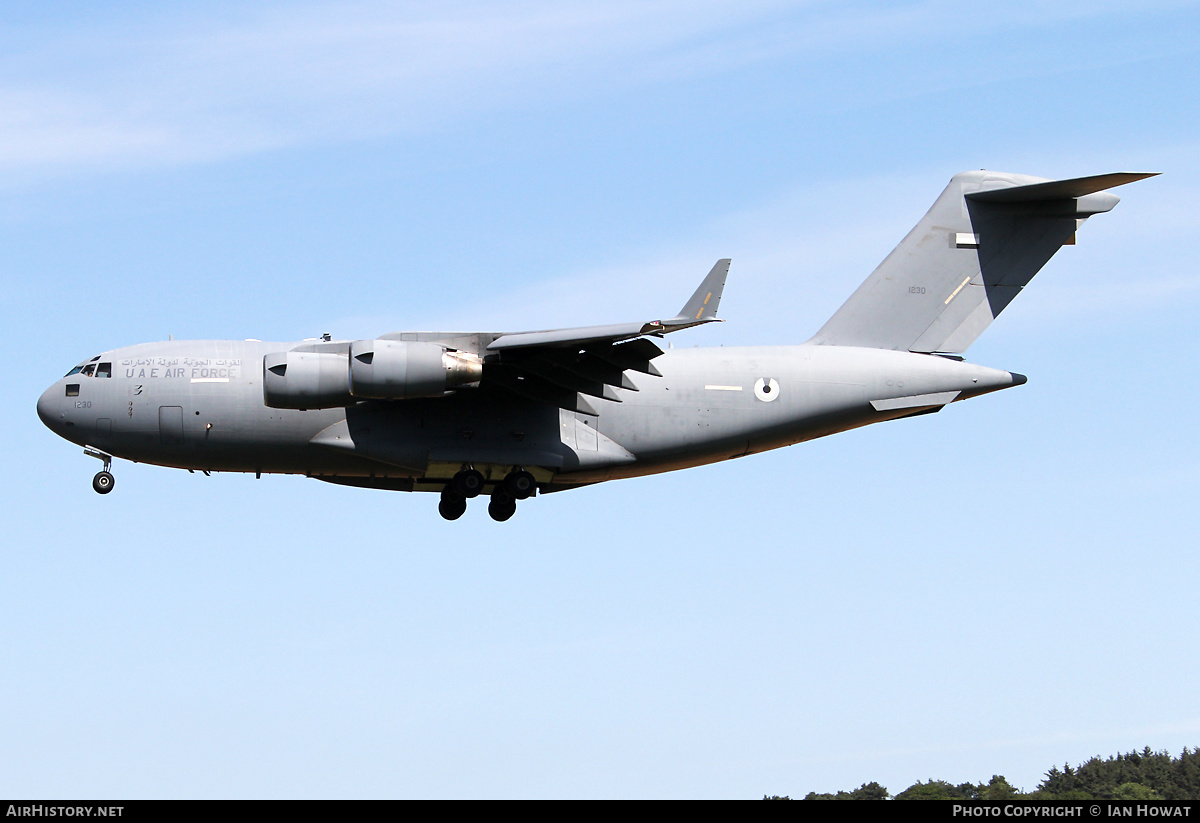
513	414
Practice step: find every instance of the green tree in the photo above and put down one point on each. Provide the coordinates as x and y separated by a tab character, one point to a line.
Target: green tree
933	790
1135	791
998	789
867	791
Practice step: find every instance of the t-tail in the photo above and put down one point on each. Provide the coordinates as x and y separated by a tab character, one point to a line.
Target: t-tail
983	240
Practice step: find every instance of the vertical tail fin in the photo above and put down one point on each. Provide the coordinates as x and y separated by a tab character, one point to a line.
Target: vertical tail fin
983	240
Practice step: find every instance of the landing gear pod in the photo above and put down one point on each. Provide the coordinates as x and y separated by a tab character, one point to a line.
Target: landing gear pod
399	370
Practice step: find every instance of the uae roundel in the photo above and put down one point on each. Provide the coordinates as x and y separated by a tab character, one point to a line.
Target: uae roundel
766	389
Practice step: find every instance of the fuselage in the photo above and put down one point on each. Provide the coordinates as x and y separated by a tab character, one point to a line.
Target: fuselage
199	405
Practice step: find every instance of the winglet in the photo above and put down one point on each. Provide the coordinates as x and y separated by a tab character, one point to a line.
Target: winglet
702	307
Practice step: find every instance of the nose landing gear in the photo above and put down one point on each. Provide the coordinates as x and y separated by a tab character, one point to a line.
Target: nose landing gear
103	482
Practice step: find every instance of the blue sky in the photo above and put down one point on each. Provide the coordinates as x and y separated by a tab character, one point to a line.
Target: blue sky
997	588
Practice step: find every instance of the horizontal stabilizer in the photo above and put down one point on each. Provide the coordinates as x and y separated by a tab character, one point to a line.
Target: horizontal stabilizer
1058	189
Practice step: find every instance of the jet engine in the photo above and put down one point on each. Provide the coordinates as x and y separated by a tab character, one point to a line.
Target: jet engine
306	380
371	370
396	370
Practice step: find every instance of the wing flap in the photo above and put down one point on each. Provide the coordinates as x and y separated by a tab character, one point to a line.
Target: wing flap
632	356
533	387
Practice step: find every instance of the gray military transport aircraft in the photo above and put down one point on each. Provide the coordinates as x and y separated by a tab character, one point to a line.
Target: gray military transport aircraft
511	414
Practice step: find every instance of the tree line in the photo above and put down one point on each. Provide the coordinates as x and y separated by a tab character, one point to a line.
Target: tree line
1144	775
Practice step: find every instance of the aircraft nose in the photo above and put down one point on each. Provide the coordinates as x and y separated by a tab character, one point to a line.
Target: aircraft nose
46	407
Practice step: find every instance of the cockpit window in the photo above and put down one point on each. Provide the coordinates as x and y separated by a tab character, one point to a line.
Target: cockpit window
91	369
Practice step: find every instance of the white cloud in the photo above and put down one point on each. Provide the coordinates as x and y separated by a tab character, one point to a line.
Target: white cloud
194	89
336	72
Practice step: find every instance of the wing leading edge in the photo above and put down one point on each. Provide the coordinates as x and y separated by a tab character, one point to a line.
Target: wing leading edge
699	309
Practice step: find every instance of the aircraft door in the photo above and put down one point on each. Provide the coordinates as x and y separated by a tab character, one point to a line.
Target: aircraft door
170	425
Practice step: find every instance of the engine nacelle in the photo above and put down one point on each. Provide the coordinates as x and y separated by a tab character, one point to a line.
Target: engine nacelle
400	369
374	370
306	380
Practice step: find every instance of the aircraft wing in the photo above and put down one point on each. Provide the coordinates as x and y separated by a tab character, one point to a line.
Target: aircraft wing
565	366
700	308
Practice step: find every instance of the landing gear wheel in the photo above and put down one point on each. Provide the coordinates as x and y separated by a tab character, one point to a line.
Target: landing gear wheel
452	504
520	484
103	482
502	506
468	483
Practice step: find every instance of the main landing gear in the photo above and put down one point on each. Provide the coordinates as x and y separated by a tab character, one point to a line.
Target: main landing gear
517	485
502	505
452	505
103	482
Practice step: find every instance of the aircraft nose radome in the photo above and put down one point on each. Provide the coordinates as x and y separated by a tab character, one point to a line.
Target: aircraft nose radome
1018	379
45	407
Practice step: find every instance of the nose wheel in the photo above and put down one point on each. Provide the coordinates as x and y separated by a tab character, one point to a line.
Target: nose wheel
103	482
